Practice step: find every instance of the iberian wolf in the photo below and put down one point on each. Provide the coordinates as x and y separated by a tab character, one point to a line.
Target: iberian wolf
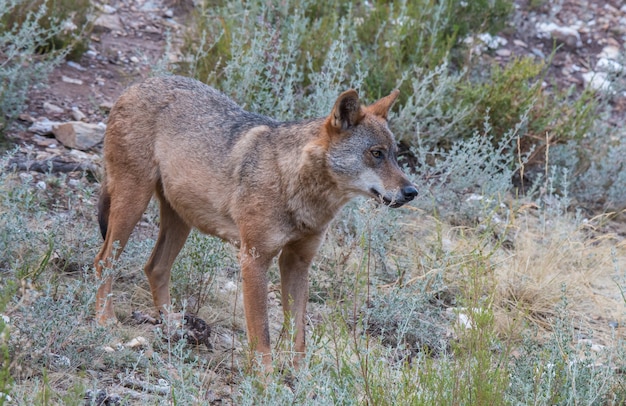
269	187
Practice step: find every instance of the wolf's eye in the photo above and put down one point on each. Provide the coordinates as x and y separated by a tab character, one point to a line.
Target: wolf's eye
377	154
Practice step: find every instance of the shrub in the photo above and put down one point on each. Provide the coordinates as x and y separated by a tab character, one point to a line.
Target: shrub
389	40
19	44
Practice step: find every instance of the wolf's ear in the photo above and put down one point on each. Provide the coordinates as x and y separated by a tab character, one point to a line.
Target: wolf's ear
382	106
347	111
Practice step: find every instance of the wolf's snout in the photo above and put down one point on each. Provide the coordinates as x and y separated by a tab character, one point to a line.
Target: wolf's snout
409	193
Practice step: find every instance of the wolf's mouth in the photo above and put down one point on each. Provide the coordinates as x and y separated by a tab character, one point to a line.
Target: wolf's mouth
387	202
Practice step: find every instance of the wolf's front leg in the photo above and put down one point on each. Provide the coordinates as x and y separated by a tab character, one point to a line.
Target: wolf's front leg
294	263
254	267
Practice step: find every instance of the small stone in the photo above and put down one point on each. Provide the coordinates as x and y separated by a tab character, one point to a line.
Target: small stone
43	127
76	66
41	185
230	286
168	13
71	80
79	135
26	117
108	349
610	52
109	9
597	80
608	65
520	43
503	52
52	108
566	35
73	182
108	22
134	59
597	347
106	105
137	342
77	114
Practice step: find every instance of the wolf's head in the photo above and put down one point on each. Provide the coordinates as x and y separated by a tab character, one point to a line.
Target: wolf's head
362	150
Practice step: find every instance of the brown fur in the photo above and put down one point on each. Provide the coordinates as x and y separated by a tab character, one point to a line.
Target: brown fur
268	187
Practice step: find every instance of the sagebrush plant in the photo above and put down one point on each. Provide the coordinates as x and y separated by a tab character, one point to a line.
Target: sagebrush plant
293	42
72	17
22	64
555	372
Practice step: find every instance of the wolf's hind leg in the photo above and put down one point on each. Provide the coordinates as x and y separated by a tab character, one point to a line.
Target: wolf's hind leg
127	204
173	232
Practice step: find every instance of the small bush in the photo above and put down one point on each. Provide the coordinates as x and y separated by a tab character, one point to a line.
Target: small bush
68	20
22	66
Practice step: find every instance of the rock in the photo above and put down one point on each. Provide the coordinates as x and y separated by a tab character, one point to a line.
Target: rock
609	65
109	9
77	114
565	35
520	43
596	80
106	105
137	342
79	135
75	65
610	52
71	80
52	108
108	22
43	127
503	52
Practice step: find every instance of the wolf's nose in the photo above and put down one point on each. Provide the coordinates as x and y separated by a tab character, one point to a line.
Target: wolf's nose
409	192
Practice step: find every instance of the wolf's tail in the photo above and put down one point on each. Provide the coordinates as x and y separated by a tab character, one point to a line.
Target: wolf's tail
104	206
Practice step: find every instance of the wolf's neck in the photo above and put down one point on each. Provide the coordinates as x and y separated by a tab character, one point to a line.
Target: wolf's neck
314	197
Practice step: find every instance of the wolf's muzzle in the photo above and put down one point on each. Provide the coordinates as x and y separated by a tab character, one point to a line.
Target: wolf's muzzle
407	194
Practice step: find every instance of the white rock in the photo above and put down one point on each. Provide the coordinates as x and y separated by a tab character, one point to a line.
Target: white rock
71	80
52	108
567	35
110	22
520	43
41	185
608	65
503	52
137	342
75	65
43	127
230	286
77	114
109	9
464	321
108	349
610	52
597	80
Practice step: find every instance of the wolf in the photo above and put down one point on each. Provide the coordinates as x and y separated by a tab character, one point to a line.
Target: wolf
270	188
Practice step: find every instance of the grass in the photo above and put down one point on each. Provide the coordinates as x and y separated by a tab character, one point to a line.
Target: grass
478	293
